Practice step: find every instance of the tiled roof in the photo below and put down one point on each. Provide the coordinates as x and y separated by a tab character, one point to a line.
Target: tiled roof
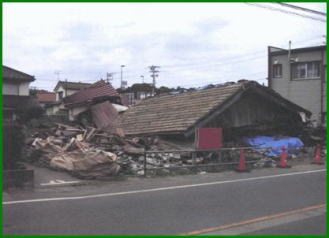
13	74
178	113
46	97
72	85
97	90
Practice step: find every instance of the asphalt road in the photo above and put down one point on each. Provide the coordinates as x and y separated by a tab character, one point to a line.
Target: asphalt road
164	205
309	226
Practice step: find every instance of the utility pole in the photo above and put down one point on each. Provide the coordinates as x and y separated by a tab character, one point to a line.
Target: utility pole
65	87
154	71
121	82
289	70
142	76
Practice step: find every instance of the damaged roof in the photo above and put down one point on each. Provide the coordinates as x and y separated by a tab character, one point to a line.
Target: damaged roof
97	90
15	75
72	85
181	112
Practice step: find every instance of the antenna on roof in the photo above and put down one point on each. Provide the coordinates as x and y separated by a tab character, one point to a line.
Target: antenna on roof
109	77
57	72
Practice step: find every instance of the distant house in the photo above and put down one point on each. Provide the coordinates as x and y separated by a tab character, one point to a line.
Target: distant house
65	88
15	91
299	75
46	98
82	100
240	109
135	93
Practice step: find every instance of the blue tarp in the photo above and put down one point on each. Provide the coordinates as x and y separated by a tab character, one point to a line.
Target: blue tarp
293	144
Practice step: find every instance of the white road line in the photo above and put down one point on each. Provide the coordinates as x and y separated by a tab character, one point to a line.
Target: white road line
58	182
159	189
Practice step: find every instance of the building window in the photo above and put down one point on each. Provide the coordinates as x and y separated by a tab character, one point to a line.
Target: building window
277	71
305	70
60	95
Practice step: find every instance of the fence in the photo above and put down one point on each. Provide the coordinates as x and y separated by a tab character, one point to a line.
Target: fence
185	161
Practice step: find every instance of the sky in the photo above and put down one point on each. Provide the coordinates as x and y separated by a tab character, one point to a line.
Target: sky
194	44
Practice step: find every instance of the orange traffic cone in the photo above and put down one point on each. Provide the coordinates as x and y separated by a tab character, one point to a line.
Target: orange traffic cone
317	155
283	159
242	164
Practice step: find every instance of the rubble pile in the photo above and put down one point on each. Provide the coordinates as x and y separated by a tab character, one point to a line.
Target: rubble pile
93	153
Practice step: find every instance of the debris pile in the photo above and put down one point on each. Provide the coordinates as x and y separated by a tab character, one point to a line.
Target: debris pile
90	153
94	153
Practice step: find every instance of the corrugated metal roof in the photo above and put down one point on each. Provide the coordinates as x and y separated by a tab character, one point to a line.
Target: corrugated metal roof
178	113
105	116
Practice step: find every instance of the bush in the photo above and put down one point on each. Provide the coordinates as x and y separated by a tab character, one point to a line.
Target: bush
31	113
13	143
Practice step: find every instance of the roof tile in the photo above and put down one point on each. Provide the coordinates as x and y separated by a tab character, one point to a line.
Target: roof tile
99	89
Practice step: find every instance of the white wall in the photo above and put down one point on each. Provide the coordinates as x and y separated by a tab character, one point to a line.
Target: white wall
24	89
21	89
54	109
60	89
304	92
66	93
10	89
70	92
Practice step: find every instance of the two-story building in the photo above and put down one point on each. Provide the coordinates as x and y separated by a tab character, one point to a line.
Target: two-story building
62	90
66	88
300	76
15	91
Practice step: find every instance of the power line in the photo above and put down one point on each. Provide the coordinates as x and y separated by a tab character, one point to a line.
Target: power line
301	8
254	55
235	59
224	62
285	11
207	63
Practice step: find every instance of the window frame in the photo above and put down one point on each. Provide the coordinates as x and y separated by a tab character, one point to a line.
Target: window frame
306	70
273	71
60	95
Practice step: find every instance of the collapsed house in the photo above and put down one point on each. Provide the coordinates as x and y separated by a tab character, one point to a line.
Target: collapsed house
241	109
159	132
